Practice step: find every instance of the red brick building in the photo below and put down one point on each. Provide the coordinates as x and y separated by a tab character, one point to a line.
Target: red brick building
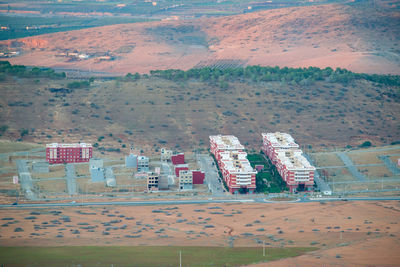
232	161
68	153
178	159
198	177
293	167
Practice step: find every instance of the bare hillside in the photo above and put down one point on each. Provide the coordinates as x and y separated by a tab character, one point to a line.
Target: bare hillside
358	36
154	112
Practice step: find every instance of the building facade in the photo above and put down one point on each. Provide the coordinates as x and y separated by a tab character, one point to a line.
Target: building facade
152	181
142	164
68	153
293	167
185	180
233	164
277	141
237	171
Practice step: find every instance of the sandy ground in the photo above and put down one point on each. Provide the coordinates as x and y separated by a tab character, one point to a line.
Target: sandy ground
370	230
321	36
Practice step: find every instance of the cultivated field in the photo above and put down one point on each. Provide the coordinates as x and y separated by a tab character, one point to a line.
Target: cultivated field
357	36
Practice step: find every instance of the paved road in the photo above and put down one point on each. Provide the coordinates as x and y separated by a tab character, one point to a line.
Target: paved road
70	177
390	165
321	184
183	202
25	179
211	174
356	165
385	180
350	166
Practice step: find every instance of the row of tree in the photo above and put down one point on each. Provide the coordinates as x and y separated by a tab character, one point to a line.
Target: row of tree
27	72
303	76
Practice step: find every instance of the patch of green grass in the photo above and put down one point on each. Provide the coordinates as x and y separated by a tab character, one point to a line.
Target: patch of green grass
142	256
8	146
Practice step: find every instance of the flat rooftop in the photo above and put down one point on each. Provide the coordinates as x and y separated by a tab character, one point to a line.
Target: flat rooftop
294	160
280	140
228	142
236	162
56	145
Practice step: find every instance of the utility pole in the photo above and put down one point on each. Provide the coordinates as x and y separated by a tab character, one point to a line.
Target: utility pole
180	258
264	248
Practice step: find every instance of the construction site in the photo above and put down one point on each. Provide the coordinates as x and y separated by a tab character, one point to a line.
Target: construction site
31	174
135	175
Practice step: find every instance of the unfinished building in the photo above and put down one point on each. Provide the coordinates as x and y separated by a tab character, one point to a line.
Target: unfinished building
185	180
152	181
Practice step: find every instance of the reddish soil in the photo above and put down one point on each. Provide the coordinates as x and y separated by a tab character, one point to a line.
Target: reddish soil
358	38
370	230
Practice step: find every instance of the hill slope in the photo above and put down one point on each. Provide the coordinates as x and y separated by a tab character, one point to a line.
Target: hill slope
356	36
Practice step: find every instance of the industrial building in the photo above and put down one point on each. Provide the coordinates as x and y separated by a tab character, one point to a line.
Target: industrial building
185	180
293	167
232	161
152	181
68	153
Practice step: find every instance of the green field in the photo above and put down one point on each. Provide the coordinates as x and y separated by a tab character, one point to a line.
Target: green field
142	256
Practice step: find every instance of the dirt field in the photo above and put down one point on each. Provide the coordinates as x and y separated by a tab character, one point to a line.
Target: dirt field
321	36
362	224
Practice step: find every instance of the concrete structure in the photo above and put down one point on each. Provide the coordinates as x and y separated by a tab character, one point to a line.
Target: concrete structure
163	182
178	168
131	161
232	161
185	180
40	167
293	167
96	170
96	163
165	155
178	159
110	178
198	177
142	164
237	171
68	153
152	181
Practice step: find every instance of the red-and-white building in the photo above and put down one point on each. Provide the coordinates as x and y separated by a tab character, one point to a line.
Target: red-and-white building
293	167
68	153
277	141
232	161
223	143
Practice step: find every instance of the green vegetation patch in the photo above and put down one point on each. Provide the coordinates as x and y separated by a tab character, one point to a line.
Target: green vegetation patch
143	256
268	180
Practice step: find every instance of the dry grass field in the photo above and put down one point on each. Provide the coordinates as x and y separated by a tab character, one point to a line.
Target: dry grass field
154	113
320	225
